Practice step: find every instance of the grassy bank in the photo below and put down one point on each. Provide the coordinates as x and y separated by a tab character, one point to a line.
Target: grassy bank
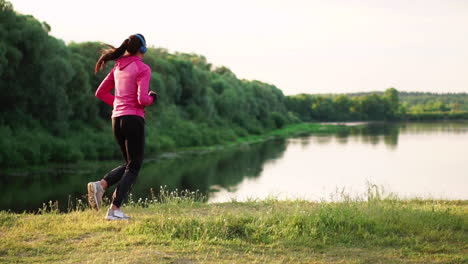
182	229
296	129
25	147
285	132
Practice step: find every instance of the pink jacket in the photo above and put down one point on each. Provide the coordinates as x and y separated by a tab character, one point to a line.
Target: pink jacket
130	77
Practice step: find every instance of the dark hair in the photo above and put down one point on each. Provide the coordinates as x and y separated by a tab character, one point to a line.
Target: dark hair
132	45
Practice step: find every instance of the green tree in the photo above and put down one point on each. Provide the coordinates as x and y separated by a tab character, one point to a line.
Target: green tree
342	105
392	103
323	108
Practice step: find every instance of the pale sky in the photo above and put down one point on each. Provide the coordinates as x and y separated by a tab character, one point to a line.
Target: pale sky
301	46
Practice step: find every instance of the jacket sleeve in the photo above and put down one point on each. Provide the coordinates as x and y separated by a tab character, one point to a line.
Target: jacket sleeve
103	91
143	80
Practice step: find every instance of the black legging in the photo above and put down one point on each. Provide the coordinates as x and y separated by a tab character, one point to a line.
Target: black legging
129	131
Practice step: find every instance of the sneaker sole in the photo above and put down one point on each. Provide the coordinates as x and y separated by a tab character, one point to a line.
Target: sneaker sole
92	199
111	218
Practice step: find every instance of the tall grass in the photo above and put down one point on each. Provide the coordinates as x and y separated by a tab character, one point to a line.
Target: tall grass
374	219
372	228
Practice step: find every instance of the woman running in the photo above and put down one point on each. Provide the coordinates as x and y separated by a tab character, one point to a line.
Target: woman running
130	77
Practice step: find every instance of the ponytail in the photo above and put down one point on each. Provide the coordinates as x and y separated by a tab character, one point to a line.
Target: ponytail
111	53
133	44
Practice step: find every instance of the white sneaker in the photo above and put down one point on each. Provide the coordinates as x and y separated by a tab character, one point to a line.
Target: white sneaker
116	215
95	193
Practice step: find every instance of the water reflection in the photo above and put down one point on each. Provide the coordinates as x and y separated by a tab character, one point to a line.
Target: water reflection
373	133
190	170
406	158
202	171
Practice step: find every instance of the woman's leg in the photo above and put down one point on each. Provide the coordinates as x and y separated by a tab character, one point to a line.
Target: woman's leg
113	176
133	132
116	174
96	189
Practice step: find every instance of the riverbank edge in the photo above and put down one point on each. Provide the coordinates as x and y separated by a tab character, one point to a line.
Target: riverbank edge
71	160
371	230
285	132
435	116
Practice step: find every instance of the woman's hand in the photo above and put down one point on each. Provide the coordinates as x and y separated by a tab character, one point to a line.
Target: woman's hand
154	95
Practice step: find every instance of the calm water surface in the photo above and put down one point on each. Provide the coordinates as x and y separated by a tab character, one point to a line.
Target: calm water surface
427	160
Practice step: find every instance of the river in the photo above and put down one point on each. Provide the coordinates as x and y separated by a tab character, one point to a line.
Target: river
409	160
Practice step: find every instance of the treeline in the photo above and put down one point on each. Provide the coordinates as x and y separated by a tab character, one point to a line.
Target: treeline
345	108
388	105
429	102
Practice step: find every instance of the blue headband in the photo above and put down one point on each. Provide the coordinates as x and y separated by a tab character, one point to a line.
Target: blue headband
143	42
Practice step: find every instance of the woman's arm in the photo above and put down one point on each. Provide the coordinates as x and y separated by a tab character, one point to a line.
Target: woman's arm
143	80
103	91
